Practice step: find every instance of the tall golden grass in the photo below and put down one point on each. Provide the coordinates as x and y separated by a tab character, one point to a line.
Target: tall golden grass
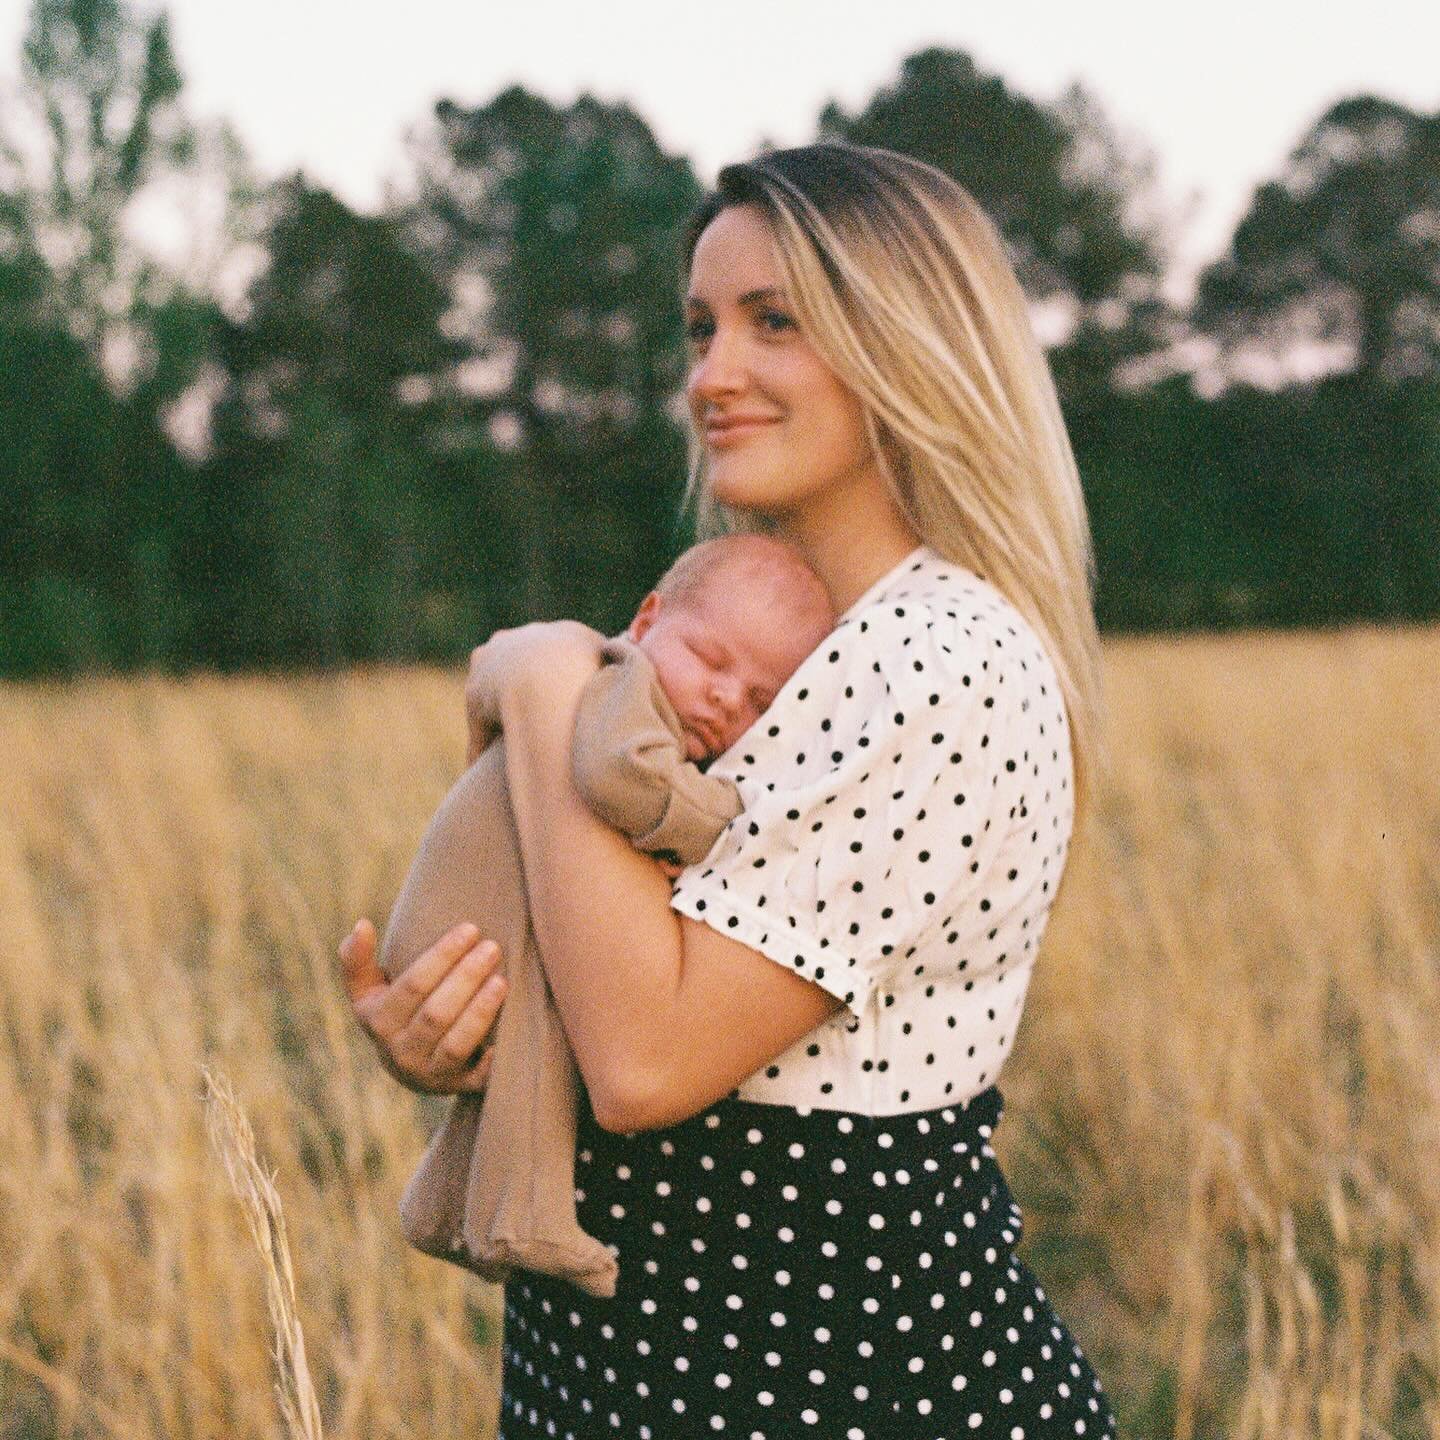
233	1138
1223	1115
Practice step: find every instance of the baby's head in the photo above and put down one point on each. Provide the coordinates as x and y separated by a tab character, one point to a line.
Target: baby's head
725	627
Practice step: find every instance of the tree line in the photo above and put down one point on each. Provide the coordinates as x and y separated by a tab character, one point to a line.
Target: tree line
308	436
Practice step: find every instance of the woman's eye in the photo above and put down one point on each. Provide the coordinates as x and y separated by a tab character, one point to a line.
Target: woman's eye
773	322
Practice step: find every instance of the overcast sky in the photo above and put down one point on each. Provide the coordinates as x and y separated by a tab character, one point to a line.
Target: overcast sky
1220	92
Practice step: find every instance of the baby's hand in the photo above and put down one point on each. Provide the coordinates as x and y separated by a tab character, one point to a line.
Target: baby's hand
552	653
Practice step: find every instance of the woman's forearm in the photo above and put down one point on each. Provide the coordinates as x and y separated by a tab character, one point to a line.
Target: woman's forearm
611	945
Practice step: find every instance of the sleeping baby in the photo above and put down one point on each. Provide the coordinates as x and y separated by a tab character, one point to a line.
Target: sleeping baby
702	659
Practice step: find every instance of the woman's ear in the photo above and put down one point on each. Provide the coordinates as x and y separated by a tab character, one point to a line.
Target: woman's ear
645	616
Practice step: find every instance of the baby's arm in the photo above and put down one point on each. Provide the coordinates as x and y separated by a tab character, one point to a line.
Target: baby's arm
628	763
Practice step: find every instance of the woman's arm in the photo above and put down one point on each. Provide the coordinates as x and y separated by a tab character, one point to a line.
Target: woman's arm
664	1014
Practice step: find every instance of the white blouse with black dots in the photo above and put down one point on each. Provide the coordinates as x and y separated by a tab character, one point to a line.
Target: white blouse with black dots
908	804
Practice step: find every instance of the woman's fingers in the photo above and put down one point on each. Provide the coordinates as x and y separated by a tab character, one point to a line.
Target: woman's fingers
357	962
413	987
430	1020
470	979
434	1043
470	1029
477	1076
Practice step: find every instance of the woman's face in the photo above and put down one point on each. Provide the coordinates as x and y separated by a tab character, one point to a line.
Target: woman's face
779	428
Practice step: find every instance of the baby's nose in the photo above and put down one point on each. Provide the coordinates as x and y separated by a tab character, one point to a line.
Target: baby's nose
725	690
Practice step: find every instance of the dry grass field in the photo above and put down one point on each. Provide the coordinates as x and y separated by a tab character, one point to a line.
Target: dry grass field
1222	1120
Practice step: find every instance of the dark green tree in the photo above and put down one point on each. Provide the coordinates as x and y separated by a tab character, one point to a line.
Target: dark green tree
89	493
557	230
110	339
132	208
314	536
1073	203
1343	246
95	121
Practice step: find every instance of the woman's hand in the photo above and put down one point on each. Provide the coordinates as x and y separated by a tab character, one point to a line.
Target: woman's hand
554	651
428	1023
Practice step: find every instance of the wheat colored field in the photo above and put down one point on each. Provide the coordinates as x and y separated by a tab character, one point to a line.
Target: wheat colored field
1222	1118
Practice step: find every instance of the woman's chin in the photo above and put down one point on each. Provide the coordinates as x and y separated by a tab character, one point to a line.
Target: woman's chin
743	489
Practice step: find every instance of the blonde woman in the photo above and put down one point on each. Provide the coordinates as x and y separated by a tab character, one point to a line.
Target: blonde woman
790	1059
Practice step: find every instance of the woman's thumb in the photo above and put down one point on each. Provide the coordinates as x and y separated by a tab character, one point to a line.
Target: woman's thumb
357	960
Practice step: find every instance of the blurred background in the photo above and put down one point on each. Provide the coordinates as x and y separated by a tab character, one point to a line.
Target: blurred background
247	422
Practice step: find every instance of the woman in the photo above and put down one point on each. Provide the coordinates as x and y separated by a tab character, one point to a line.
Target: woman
790	1061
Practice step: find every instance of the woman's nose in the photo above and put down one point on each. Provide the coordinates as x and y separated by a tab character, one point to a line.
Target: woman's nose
719	371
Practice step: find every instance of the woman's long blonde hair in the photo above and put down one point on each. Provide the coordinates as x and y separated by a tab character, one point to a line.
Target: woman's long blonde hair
902	284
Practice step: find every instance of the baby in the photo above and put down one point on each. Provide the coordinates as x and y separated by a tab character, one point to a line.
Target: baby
704	656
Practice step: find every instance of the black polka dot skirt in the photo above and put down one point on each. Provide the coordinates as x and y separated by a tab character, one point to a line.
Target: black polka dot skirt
787	1273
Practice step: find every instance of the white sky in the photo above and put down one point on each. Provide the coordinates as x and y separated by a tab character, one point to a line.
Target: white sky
1220	92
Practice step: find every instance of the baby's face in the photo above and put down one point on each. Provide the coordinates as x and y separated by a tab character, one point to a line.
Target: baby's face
720	659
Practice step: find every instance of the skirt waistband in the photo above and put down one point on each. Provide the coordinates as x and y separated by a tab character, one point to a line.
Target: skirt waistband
971	1122
925	1174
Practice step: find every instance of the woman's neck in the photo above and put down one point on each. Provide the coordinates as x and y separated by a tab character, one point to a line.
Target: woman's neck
851	536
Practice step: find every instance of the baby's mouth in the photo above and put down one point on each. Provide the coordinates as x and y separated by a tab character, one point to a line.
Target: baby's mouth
699	739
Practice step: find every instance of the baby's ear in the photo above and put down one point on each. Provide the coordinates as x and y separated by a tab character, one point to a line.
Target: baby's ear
645	616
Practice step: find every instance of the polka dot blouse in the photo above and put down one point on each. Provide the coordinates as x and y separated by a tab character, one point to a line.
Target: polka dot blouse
908	804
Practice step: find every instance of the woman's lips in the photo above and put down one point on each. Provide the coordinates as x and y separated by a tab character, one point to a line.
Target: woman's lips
729	432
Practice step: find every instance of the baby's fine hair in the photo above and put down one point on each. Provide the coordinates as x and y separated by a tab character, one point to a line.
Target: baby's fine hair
758	562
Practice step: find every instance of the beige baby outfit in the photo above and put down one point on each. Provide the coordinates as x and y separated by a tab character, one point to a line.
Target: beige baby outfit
495	1190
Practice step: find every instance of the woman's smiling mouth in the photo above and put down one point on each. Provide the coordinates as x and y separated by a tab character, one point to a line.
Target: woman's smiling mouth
735	428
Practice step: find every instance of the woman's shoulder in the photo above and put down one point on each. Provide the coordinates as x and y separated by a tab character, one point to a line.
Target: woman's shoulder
933	623
931	641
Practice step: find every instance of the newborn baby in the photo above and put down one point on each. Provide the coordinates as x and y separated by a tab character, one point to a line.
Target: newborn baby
702	659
